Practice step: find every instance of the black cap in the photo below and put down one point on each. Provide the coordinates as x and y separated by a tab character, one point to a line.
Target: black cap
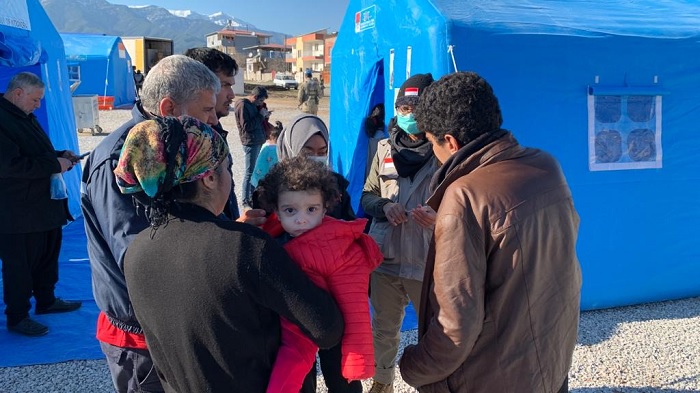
415	86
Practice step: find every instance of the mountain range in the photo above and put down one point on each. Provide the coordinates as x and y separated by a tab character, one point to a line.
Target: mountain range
186	28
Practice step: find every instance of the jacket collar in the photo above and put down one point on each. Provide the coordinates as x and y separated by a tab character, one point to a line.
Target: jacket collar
474	155
220	129
12	108
139	114
191	212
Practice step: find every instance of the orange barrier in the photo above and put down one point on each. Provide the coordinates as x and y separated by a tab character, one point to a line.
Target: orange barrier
105	102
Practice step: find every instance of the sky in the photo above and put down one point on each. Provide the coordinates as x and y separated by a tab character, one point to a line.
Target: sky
283	16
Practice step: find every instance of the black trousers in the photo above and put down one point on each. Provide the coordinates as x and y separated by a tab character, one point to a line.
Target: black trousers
332	375
29	268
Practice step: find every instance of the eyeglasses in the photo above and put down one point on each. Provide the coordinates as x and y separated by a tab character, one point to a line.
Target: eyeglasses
404	109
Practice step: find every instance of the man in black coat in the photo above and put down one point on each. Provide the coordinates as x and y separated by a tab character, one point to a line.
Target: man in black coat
34	207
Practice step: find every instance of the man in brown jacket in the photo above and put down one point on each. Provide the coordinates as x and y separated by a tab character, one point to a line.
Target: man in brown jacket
501	293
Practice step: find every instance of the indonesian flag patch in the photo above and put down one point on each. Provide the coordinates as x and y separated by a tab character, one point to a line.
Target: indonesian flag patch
389	163
411	91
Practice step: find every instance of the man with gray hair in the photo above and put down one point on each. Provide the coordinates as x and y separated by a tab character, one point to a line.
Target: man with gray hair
34	208
176	86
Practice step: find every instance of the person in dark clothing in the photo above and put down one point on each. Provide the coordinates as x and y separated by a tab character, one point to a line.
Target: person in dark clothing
208	292
138	81
375	131
250	120
34	210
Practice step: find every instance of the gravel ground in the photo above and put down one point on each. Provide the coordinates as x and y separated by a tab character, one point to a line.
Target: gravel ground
646	348
638	349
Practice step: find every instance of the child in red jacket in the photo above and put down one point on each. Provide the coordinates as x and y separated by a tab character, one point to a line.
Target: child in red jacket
335	254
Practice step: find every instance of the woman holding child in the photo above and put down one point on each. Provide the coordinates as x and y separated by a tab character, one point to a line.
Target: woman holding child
209	293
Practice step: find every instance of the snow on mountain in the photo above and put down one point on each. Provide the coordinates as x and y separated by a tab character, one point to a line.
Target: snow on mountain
181	13
186	28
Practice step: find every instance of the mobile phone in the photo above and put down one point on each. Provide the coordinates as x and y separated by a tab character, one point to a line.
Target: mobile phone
80	157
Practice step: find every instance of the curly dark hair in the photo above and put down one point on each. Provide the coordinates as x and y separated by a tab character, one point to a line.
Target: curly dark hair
460	104
214	59
297	174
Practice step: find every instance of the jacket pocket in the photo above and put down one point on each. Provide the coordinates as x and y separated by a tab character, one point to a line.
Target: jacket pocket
382	232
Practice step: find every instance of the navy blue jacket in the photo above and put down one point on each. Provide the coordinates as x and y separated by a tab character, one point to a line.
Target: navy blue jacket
111	223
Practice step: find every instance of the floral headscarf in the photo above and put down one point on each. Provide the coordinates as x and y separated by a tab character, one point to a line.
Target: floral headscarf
161	153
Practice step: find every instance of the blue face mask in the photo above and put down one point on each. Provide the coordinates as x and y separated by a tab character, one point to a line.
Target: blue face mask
407	123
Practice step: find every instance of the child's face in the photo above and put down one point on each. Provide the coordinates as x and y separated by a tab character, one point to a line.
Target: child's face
300	211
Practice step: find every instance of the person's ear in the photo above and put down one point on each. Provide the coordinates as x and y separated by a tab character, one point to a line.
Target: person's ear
452	143
167	107
210	181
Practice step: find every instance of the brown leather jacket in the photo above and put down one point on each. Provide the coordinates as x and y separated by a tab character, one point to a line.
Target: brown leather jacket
502	279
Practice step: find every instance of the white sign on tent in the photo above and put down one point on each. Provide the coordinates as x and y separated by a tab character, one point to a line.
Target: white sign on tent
15	14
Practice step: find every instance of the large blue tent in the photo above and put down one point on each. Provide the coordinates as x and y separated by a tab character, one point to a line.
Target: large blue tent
611	88
103	66
29	42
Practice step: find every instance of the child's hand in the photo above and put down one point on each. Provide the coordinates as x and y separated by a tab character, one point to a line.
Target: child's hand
424	216
253	217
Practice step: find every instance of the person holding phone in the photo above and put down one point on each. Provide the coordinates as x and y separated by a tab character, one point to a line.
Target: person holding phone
35	208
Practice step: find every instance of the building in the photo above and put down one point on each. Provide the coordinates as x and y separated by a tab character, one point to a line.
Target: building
235	42
263	60
308	52
328	48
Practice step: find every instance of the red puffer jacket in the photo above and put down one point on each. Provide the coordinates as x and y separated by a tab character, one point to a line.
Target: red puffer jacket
339	257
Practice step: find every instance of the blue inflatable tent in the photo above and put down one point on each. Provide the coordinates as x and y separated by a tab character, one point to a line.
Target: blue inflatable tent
611	88
103	66
29	42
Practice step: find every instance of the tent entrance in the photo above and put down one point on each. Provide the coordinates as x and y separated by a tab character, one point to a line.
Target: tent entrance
366	145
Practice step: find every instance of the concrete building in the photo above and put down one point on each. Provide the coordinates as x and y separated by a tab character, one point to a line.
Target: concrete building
234	42
328	48
264	60
308	51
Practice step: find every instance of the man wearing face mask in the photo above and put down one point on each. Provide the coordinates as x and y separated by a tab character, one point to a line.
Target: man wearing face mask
394	194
